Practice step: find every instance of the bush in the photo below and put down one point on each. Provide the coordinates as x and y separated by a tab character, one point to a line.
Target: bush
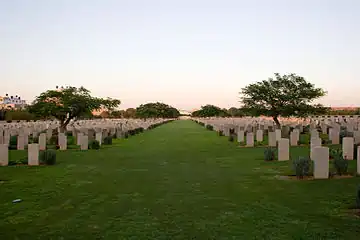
48	157
126	135
53	140
356	145
13	143
94	144
18	161
108	140
345	133
302	167
340	164
269	154
69	134
209	127
70	140
35	140
231	138
358	197
221	133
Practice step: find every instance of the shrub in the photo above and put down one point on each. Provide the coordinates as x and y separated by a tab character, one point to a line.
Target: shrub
70	140
302	167
94	144
108	140
221	133
35	140
18	161
69	133
345	133
358	197
231	138
48	157
340	164
126	135
53	140
13	143
269	154
209	127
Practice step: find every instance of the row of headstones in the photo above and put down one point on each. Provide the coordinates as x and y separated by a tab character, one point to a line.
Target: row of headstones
33	154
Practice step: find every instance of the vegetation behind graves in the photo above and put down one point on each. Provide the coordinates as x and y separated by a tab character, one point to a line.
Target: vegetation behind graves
156	110
287	95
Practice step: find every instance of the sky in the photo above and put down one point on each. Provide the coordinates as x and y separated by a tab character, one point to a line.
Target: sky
185	53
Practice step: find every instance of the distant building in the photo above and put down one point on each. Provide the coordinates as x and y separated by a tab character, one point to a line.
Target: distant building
12	102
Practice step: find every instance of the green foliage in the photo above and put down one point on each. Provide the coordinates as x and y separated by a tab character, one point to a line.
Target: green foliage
14	115
231	138
48	157
108	140
156	110
358	197
13	143
70	140
221	133
236	112
94	144
340	164
53	140
13	162
209	127
210	111
302	166
287	95
69	103
129	113
345	133
269	154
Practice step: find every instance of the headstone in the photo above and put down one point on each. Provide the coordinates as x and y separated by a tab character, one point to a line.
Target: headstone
78	138
20	142
321	162
259	135
294	138
33	154
62	139
4	155
334	135
283	149
348	148
84	142
314	133
240	136
98	137
278	134
314	142
272	139
48	133
249	139
356	137
42	141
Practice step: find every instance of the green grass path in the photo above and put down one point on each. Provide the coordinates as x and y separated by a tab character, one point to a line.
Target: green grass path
178	181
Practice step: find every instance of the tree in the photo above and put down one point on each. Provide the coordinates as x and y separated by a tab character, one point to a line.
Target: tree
236	112
287	95
156	110
129	113
210	111
69	103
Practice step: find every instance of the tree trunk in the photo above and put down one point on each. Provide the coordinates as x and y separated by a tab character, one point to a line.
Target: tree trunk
275	118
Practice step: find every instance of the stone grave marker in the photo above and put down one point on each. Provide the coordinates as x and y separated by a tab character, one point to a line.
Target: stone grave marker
4	155
33	154
321	162
348	148
283	149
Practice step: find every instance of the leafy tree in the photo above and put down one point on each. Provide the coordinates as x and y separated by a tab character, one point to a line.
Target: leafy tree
69	103
129	113
210	111
156	110
116	114
287	95
236	112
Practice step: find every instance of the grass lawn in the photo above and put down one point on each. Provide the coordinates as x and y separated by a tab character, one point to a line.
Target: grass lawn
178	181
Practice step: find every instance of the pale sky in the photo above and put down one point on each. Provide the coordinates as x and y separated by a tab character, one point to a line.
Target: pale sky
185	53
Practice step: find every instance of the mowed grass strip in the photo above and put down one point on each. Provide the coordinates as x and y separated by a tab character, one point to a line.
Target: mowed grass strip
178	181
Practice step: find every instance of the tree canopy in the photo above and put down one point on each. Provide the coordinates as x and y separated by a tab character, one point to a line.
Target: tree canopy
287	95
156	110
236	112
210	111
69	103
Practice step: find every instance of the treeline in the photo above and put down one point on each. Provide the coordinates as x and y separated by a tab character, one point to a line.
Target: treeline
214	111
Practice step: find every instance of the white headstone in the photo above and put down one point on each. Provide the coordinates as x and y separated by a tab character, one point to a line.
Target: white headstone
20	142
62	139
42	141
321	162
4	155
283	149
98	137
358	160
249	139
272	139
348	148
240	136
278	134
33	154
315	142
84	142
78	138
259	135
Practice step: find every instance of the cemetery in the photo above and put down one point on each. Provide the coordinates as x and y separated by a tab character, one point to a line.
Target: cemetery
151	175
